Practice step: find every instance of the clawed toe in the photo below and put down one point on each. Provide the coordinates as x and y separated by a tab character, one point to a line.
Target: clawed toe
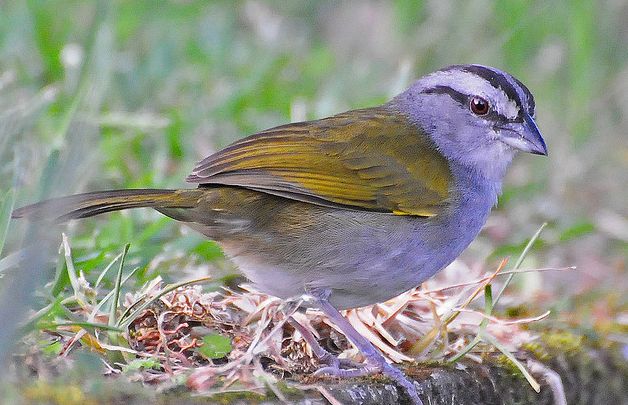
332	361
346	373
344	368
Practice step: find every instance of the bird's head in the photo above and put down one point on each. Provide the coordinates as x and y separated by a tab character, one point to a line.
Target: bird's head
476	115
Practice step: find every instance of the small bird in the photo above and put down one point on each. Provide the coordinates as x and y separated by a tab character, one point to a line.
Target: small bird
352	209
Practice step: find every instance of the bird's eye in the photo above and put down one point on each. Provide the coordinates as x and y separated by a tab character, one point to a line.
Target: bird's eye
479	106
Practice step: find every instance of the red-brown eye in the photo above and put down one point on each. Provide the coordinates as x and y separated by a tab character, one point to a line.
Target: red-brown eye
479	106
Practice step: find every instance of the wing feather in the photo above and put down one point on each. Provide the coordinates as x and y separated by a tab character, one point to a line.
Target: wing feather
372	159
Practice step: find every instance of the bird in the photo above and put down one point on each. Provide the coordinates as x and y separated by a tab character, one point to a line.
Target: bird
353	209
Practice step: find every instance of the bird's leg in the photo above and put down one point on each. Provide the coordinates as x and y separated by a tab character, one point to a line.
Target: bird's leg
375	362
348	368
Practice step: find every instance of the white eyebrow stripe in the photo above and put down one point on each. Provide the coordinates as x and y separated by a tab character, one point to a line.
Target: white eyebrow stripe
472	84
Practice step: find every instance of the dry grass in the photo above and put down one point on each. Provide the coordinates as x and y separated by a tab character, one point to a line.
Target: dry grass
230	340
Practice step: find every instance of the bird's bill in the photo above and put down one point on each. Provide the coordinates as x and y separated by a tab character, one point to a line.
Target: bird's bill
524	136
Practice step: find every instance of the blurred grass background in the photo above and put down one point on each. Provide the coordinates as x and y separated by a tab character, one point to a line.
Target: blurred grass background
117	94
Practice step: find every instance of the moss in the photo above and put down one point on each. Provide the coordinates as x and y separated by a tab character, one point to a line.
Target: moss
44	392
519	311
538	350
248	397
288	389
563	341
505	363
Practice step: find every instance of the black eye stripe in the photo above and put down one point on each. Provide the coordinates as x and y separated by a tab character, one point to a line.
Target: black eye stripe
455	94
464	99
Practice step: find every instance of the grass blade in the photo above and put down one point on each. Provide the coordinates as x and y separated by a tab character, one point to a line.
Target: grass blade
85	325
5	216
519	261
117	286
531	380
106	298
71	271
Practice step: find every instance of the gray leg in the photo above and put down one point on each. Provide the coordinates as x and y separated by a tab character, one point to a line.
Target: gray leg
374	359
336	366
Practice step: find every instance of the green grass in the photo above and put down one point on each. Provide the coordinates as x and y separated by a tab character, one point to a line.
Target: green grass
157	87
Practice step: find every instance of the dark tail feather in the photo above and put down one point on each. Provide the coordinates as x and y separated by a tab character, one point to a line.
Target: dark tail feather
90	204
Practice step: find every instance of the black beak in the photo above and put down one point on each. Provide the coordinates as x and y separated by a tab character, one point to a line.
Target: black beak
533	136
524	136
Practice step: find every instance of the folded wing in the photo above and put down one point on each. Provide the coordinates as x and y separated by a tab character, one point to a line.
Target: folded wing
371	159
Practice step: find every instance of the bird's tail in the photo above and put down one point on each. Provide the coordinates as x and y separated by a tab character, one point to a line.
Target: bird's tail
90	204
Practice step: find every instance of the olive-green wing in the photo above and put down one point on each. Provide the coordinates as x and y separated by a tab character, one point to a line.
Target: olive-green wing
371	159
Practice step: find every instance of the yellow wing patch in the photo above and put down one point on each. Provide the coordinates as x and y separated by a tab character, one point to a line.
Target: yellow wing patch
371	159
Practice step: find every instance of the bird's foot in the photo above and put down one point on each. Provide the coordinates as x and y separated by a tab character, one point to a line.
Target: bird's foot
375	362
343	368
